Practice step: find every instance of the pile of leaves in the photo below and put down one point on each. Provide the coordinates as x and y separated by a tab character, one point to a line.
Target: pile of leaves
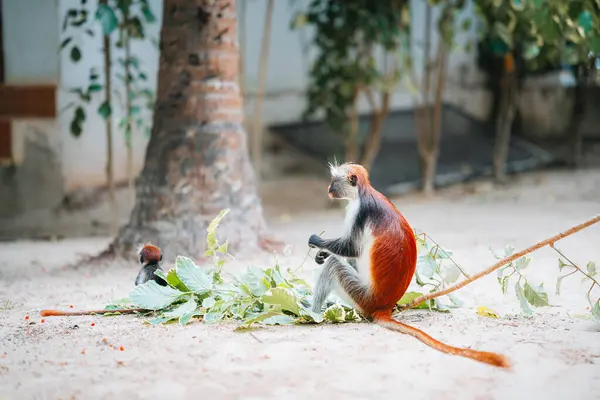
273	296
267	296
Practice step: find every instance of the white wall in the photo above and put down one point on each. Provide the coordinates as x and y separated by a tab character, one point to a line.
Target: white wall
84	158
288	67
29	25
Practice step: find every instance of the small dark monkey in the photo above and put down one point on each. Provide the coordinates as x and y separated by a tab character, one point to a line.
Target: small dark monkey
150	257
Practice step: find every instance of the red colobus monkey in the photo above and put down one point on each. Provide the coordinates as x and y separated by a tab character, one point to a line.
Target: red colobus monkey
374	261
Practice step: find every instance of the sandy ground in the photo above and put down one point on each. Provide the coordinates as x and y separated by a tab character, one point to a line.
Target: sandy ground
556	355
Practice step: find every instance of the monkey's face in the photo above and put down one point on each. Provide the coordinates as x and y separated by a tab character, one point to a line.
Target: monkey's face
345	180
343	187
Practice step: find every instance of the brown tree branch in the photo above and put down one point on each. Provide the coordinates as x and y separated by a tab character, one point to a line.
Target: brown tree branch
504	261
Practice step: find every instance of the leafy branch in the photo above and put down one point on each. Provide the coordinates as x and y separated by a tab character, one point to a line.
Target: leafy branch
508	259
589	275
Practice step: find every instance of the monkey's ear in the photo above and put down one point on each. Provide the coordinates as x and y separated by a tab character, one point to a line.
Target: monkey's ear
352	180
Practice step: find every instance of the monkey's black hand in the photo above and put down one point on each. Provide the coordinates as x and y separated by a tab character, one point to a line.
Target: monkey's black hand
321	256
315	241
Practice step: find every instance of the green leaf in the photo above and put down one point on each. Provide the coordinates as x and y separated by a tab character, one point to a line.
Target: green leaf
504	284
508	251
80	113
536	296
93	88
148	14
105	110
466	24
208	302
254	281
184	308
211	238
503	33
522	263
335	314
523	300
450	273
455	300
185	318
281	319
352	316
107	18
282	297
195	278
558	282
76	127
596	310
427	266
298	21
561	264
262	316
585	21
152	296
75	54
222	248
173	280
158	320
532	50
591	268
65	42
408	297
518	5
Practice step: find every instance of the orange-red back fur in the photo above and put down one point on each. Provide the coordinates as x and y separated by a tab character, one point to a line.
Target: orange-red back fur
393	253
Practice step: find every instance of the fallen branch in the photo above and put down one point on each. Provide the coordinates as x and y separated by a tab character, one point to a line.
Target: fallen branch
550	241
60	313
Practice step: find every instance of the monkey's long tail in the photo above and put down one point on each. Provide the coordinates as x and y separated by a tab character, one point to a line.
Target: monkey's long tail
59	313
494	359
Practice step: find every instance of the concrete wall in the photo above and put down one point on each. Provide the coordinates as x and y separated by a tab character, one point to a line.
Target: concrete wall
30	57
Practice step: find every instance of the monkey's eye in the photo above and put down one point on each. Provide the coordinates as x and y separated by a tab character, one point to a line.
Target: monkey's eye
352	180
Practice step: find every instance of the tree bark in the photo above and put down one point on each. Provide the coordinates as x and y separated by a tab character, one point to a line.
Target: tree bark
197	160
505	118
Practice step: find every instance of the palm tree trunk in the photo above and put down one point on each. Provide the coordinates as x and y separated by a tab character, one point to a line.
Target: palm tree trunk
197	159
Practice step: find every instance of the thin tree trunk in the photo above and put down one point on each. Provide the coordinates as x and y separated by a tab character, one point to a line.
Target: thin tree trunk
577	114
505	119
373	142
433	146
423	115
109	135
197	159
128	123
257	128
353	130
